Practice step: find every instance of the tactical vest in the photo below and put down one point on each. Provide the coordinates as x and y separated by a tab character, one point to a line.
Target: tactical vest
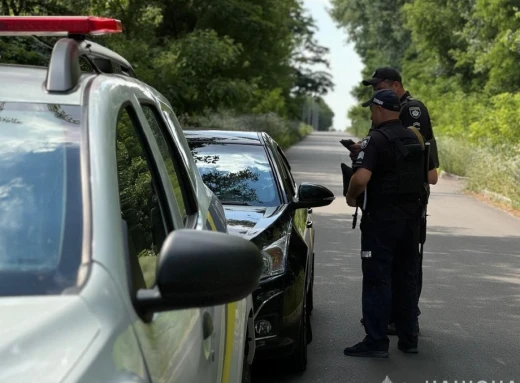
405	181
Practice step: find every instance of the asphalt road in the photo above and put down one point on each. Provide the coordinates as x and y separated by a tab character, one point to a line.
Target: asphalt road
470	322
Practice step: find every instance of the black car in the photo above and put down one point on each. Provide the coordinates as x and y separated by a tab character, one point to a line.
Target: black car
251	176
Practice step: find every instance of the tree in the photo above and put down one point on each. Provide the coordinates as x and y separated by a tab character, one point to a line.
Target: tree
205	56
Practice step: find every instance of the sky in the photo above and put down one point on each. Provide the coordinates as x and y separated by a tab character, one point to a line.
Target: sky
345	64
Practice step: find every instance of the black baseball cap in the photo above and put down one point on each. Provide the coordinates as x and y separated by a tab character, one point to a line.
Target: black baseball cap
385	98
382	74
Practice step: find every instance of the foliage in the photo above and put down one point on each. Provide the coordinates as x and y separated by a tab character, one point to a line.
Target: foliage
486	168
285	132
204	56
317	107
460	59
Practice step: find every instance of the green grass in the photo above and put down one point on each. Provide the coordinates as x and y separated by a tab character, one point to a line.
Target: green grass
494	169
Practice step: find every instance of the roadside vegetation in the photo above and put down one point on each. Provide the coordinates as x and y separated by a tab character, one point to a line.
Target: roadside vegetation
238	64
460	58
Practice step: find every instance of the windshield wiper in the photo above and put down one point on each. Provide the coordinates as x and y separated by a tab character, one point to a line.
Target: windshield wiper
238	203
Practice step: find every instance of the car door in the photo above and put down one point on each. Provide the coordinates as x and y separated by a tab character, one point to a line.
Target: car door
303	218
181	345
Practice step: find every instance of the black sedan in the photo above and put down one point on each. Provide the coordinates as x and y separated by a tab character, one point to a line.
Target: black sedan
251	176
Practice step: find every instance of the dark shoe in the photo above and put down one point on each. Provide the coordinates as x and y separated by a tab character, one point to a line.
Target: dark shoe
409	350
391	329
362	349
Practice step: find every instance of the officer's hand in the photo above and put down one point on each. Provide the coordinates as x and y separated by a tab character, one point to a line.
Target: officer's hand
355	149
351	202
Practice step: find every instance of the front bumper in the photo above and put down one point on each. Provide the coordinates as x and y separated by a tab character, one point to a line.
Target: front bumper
278	305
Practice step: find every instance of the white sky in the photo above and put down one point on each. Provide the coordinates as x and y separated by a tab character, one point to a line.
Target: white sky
345	64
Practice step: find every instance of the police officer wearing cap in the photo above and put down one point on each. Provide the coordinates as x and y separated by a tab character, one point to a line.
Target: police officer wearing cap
413	113
389	173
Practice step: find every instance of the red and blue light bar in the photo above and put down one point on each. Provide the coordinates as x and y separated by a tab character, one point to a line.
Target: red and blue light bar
58	25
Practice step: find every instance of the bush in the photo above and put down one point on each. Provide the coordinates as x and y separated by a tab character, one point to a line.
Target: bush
285	132
455	155
493	169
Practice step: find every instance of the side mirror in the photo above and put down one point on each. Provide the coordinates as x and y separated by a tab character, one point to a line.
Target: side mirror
202	268
312	195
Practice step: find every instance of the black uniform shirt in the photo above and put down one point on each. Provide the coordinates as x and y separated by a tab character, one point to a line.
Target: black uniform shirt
414	113
377	155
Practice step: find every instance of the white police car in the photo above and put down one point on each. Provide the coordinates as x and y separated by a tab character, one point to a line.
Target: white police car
111	265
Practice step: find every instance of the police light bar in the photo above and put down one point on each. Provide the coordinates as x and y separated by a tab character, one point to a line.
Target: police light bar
58	25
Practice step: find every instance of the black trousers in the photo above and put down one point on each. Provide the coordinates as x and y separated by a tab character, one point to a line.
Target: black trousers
389	250
393	308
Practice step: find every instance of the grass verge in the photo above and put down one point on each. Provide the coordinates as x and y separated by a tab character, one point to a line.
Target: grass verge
495	170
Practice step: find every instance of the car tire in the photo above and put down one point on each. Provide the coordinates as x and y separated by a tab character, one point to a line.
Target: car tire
298	360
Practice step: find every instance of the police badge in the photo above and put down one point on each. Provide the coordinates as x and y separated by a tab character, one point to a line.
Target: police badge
415	111
364	143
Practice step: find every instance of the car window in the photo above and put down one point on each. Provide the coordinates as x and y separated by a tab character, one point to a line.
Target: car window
180	188
237	174
287	169
41	205
139	196
286	179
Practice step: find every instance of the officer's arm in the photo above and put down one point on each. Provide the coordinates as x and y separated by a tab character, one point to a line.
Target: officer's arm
363	167
433	177
416	114
358	184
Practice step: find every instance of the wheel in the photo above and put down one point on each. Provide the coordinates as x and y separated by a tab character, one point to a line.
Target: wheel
298	360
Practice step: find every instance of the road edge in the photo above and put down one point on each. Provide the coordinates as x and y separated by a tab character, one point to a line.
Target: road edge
488	197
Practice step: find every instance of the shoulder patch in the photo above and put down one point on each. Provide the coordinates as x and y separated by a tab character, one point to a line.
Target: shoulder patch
365	142
415	111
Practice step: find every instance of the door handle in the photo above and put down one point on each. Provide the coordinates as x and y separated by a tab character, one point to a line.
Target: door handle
207	325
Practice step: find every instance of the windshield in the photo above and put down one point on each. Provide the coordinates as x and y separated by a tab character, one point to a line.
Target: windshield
237	174
40	198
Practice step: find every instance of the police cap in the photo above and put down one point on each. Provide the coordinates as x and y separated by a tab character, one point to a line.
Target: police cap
382	74
385	98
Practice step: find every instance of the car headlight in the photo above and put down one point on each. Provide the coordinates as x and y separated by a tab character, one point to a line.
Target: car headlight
274	257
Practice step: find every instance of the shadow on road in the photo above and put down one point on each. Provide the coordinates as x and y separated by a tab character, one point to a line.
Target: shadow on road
470	312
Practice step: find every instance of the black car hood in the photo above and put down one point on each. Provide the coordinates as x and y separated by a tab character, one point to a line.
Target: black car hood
249	221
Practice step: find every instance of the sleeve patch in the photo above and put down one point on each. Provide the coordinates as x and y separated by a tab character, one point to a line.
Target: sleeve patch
415	111
365	142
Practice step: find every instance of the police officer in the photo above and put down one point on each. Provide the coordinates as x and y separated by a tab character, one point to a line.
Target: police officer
389	174
413	113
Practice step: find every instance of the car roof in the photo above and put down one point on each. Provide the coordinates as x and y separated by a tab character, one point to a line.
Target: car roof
225	136
22	83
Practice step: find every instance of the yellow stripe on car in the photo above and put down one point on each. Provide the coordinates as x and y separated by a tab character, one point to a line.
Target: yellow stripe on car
211	222
230	331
